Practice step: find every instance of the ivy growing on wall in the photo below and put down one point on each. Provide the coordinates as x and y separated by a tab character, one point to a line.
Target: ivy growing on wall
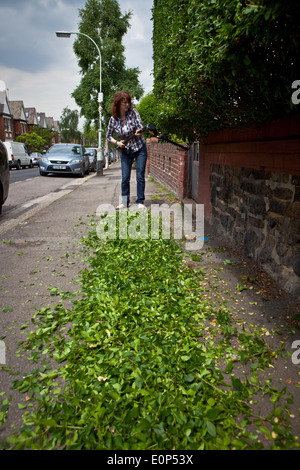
225	63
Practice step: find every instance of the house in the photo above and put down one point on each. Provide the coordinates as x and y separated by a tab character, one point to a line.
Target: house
50	125
42	120
16	120
58	136
32	118
6	118
20	121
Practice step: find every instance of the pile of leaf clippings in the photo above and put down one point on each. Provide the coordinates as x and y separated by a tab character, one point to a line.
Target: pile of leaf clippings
139	365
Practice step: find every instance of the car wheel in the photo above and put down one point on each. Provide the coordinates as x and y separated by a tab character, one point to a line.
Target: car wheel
30	164
18	165
43	173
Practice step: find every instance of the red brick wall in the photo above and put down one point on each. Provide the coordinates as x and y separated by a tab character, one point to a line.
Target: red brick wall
5	135
2	132
168	165
20	128
275	146
272	147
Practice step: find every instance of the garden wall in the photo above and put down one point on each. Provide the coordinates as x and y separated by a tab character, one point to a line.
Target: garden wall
168	165
259	212
249	183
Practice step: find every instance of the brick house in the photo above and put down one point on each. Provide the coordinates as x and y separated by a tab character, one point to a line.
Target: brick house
50	125
42	120
16	120
57	138
20	120
6	118
32	118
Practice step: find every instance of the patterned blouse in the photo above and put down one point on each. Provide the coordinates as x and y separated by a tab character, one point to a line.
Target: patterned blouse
133	123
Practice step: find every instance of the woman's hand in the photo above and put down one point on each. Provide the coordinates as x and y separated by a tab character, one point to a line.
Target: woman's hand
138	132
121	144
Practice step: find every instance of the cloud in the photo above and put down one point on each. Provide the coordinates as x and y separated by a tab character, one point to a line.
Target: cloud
41	69
27	36
138	41
48	93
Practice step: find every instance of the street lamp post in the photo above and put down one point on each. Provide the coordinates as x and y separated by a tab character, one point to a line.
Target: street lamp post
67	34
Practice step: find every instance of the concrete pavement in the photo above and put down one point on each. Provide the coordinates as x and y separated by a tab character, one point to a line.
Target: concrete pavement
40	255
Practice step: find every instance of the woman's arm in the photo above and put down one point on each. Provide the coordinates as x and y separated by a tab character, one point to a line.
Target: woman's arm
109	133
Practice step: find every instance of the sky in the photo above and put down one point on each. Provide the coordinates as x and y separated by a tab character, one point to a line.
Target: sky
40	69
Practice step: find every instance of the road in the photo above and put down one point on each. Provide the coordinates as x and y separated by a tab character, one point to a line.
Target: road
24	174
26	186
29	193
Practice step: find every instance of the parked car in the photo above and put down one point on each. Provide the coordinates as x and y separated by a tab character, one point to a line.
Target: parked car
4	175
18	156
65	158
35	157
92	153
107	157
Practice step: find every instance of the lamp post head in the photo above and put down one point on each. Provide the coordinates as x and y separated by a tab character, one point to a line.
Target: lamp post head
63	34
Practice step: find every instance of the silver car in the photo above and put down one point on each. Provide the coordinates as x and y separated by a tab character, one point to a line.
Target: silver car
65	158
35	158
92	153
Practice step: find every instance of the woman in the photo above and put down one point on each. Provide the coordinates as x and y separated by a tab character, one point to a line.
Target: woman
126	122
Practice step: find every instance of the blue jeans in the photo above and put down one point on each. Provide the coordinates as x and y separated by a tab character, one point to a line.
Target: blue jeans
126	163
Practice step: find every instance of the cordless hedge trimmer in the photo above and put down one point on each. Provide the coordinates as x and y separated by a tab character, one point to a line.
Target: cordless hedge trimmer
152	129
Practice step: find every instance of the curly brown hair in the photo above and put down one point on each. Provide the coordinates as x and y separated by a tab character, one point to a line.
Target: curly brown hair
120	96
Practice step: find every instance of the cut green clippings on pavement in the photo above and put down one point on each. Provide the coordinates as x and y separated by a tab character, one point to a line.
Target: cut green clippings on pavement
145	362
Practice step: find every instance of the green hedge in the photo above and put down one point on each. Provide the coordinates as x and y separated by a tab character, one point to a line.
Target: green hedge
224	63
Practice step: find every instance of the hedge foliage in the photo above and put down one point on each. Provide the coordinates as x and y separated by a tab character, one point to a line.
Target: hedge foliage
225	63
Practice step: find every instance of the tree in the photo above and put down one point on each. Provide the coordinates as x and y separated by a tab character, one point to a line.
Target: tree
91	134
147	109
102	21
69	125
33	141
46	134
224	64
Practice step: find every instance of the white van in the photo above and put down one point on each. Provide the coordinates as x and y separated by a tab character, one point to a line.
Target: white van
18	156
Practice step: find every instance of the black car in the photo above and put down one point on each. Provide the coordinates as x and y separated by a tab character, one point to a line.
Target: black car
92	153
4	175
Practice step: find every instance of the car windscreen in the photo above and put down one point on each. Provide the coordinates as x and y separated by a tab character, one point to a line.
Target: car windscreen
65	150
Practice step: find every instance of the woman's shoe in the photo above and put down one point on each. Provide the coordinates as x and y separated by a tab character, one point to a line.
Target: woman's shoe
121	206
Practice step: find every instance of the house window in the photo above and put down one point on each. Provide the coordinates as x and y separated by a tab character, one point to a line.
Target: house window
7	126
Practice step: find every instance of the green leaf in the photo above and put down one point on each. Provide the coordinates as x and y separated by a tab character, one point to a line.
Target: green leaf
189	378
211	429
